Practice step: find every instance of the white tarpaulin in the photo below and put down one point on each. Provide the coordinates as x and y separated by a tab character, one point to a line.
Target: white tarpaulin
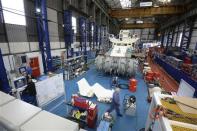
84	88
101	93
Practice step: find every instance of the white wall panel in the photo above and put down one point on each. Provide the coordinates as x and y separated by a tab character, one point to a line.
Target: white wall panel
6	63
55	45
52	14
57	52
4	48
19	47
53	29
62	44
34	46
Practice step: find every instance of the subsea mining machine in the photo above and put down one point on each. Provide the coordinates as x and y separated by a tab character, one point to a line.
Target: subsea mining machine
118	59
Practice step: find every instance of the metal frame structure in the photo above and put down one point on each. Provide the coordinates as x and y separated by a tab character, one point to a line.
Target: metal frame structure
43	34
68	32
3	77
187	30
83	36
187	33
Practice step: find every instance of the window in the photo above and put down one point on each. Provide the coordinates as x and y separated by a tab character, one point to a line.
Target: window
180	37
13	11
74	24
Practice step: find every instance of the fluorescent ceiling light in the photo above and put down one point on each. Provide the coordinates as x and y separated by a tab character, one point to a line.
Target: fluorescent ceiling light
146	4
165	1
139	22
125	3
38	10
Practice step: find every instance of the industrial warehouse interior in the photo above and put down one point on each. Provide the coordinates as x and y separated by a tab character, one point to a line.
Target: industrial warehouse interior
98	65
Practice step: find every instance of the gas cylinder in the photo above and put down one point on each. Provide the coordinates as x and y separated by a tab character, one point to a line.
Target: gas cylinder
132	85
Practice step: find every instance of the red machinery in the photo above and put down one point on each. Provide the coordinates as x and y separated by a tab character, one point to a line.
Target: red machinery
151	76
91	108
132	85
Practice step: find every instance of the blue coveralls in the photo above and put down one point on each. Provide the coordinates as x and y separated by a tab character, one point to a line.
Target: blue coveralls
29	70
115	103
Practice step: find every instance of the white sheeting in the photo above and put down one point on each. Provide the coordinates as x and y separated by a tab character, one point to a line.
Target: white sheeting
101	93
84	88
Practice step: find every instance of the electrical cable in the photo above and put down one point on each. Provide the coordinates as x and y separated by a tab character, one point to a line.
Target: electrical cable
123	86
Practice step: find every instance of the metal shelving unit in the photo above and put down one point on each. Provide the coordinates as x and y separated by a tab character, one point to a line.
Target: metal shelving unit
74	67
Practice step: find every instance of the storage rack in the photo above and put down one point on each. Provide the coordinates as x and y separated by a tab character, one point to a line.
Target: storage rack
56	63
73	67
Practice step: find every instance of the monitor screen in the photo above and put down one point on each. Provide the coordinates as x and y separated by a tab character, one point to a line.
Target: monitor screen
22	69
20	82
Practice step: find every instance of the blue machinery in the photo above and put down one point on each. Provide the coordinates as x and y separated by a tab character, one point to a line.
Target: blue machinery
43	34
68	32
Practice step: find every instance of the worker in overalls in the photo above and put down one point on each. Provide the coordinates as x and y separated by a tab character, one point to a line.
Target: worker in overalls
115	102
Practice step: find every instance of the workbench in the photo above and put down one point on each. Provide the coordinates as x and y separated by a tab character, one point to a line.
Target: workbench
177	74
164	124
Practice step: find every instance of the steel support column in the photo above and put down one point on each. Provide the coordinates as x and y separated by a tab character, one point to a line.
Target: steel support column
68	32
43	34
97	36
101	37
83	36
4	83
168	40
162	39
88	32
91	35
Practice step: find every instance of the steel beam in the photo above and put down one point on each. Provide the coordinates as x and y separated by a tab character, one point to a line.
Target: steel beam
43	34
146	12
138	26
